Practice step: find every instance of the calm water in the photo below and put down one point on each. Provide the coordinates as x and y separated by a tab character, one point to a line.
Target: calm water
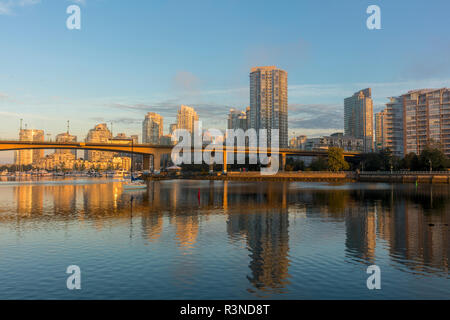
237	240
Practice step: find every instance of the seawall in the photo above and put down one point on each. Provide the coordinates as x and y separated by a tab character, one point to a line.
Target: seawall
318	176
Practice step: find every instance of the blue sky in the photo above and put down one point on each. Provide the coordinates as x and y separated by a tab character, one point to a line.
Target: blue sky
135	56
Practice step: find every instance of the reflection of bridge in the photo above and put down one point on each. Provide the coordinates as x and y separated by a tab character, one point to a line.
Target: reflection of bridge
156	151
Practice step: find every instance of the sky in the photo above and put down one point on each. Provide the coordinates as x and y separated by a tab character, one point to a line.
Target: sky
133	57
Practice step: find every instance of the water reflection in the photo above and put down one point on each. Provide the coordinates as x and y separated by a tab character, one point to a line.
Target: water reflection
267	238
410	223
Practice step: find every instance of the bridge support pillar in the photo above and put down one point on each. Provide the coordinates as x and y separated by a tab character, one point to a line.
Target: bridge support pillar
225	164
283	161
146	163
156	162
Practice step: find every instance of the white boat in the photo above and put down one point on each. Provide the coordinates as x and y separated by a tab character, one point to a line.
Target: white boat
45	173
117	174
135	185
22	174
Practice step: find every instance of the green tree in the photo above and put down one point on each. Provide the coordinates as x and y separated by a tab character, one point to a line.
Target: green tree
336	161
432	158
411	162
319	164
294	165
373	162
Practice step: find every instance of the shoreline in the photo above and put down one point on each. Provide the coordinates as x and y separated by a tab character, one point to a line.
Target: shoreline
419	177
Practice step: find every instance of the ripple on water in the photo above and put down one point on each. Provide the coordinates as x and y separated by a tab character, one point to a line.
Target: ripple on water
239	241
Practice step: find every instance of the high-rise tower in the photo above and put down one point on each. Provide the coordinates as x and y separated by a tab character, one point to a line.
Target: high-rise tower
152	128
358	117
269	102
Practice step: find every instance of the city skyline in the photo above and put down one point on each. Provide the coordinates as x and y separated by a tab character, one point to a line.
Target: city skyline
78	71
386	128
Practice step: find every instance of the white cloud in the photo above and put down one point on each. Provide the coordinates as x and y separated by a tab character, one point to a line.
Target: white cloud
7	7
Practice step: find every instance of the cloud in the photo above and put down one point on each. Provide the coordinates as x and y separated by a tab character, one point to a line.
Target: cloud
313	108
24	3
83	2
7	7
212	114
315	116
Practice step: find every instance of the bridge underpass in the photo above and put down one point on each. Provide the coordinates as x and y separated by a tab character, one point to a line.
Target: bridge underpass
156	151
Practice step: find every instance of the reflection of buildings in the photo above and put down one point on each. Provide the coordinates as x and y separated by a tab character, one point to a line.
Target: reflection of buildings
186	229
400	221
416	238
64	198
360	228
266	234
29	199
410	224
152	226
267	238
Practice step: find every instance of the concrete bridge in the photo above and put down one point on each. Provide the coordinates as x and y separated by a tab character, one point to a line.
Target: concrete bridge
156	151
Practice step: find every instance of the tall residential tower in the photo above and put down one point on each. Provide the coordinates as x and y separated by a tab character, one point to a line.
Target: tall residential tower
389	127
237	120
152	128
269	101
28	157
99	134
358	117
186	118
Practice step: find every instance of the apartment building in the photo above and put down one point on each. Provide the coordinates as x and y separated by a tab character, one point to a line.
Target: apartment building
427	119
269	102
358	117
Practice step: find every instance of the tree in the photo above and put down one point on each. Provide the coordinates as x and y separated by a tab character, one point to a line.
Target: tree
336	161
432	158
294	165
411	162
373	162
319	164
